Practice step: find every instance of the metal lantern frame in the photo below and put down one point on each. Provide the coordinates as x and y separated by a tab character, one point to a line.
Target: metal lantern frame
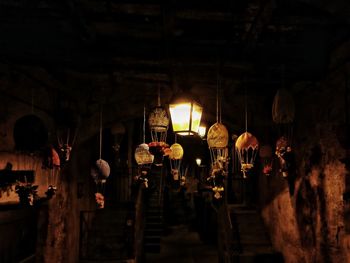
186	114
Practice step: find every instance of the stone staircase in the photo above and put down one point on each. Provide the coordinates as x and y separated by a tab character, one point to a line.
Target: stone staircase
154	212
107	239
251	242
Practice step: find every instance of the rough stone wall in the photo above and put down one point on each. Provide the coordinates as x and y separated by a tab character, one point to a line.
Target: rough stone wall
308	226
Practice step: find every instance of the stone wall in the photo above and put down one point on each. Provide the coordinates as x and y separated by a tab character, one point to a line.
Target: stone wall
308	225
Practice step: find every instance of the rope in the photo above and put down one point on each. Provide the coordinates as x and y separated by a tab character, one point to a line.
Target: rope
217	98
246	110
101	133
144	123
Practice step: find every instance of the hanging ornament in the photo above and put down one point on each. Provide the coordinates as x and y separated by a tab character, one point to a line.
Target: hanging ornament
175	157
217	139
67	126
285	156
100	172
247	149
158	122
142	155
265	154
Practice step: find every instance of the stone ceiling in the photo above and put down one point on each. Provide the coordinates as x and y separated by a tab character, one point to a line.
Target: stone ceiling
84	53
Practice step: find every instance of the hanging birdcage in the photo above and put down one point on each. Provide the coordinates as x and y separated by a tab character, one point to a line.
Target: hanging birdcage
175	157
283	111
158	122
265	154
217	139
247	149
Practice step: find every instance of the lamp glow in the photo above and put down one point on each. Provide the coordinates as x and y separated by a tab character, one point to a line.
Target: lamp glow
185	117
199	161
201	131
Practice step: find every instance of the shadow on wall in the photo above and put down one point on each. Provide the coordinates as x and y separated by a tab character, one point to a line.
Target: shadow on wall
311	207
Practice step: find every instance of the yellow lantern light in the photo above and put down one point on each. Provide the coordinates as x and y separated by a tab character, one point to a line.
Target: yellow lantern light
177	151
202	131
185	116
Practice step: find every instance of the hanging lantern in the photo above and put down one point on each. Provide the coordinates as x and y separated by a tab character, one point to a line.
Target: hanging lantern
117	131
217	139
265	154
185	116
247	148
158	122
100	172
175	157
67	125
142	155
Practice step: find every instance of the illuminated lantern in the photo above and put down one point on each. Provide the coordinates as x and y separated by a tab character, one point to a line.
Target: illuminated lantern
247	149
158	122
175	157
217	139
142	155
202	131
185	116
265	153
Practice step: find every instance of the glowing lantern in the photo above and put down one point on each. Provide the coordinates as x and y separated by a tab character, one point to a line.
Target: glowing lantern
142	155
185	116
199	161
217	139
158	122
265	154
175	157
201	131
247	148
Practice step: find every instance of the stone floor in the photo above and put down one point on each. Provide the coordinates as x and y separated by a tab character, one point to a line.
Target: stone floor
183	245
